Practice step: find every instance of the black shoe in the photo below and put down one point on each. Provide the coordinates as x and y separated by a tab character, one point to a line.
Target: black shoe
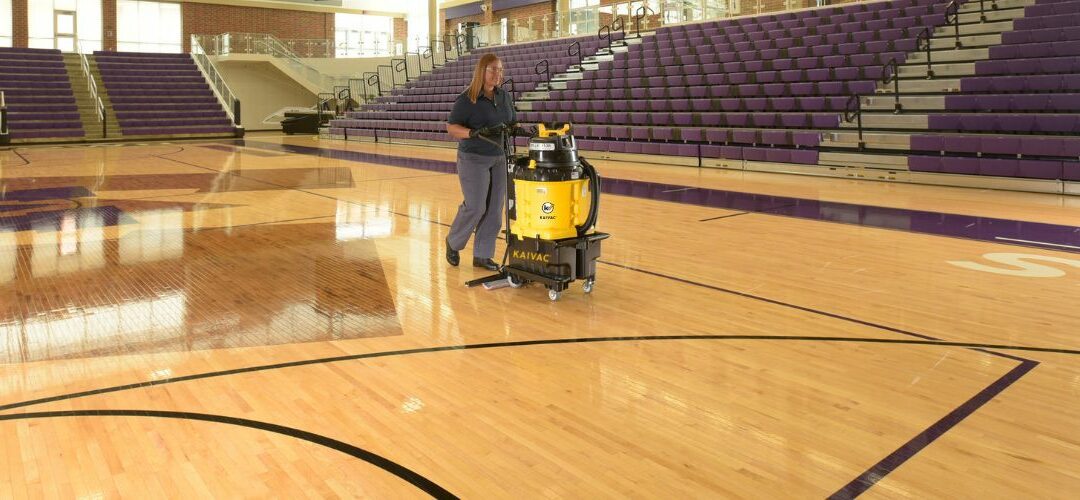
452	255
485	263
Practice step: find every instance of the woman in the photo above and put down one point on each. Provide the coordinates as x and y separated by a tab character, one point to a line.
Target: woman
478	120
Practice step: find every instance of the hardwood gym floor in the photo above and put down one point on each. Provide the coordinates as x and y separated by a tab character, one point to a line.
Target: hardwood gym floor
275	317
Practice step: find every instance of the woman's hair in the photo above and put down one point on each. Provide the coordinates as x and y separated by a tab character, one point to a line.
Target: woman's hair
477	84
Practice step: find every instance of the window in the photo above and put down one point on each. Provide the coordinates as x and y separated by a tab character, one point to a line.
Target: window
5	23
144	26
357	35
502	26
57	24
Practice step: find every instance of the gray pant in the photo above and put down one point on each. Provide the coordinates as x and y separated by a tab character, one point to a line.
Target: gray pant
483	182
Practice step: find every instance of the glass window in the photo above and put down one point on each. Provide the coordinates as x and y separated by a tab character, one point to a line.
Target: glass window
357	35
5	23
44	29
148	26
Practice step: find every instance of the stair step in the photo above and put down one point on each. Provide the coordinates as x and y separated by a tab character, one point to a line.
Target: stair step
869	160
949	69
891	121
952	55
888	103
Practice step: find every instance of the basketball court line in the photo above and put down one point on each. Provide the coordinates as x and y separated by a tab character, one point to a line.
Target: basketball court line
940	224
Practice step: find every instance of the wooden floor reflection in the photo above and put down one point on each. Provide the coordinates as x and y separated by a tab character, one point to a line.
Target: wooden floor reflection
215	319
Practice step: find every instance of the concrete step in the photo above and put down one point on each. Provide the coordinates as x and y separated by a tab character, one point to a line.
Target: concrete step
566	77
867	160
535	95
990	5
940	70
890	121
952	55
973	29
936	86
873	140
948	41
991	16
888	103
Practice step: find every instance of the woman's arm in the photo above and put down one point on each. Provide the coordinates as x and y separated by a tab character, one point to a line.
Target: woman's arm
457	131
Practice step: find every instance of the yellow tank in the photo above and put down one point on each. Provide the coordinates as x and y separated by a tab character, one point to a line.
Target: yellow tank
550	210
551	190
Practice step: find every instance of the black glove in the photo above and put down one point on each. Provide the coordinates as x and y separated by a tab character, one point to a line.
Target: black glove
490	132
518	131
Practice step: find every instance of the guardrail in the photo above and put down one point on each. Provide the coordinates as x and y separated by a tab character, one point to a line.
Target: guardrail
221	90
92	85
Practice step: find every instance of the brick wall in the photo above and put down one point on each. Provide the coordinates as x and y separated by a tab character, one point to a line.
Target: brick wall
401	33
521	15
108	24
20	15
210	19
451	24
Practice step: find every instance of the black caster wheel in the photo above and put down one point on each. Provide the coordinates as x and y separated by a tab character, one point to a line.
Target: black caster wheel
515	282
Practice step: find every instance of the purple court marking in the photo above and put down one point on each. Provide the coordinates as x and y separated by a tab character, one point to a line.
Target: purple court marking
1001	231
908	220
897	458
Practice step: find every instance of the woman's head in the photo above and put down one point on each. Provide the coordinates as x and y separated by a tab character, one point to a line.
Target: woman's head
488	74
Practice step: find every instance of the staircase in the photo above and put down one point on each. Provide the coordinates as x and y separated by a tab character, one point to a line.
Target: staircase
888	122
85	101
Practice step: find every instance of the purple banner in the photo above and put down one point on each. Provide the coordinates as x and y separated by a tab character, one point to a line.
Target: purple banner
469	9
498	5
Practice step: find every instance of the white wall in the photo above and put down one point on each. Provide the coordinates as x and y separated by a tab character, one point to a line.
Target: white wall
262	90
351	66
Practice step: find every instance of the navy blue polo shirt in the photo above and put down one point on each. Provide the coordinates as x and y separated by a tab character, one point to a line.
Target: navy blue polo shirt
484	113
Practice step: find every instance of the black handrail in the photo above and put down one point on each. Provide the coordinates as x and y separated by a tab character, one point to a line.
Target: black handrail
427	54
377	84
393	76
919	40
5	134
580	56
457	42
605	31
639	16
893	78
419	66
954	7
352	81
855	101
400	65
434	44
513	89
546	72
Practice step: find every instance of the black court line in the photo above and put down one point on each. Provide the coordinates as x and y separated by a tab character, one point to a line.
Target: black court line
967	227
856	487
725	216
895	459
381	462
905	452
523	343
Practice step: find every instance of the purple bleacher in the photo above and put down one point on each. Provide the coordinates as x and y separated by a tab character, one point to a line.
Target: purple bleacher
765	88
40	102
160	94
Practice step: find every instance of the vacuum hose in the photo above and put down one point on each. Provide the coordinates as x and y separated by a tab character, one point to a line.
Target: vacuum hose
594	202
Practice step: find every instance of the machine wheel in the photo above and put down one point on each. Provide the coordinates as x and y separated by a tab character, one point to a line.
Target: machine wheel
515	282
588	285
554	295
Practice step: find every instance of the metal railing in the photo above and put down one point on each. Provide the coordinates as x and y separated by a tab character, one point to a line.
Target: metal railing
952	10
607	32
922	42
265	44
893	77
91	84
853	112
5	133
546	71
225	96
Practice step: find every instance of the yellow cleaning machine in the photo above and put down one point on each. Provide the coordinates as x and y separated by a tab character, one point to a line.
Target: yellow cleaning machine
552	203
